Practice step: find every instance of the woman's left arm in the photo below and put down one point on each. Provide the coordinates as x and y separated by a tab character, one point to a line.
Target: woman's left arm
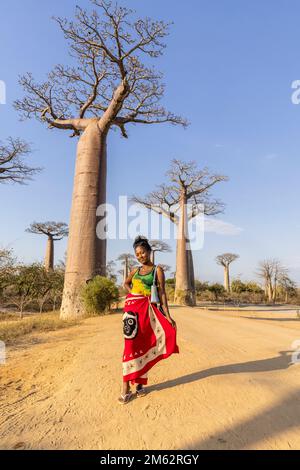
163	296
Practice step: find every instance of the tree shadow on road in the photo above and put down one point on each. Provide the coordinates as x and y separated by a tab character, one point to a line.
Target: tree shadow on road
296	319
265	426
281	362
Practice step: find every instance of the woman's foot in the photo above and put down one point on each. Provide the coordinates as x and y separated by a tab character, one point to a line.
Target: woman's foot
140	391
125	398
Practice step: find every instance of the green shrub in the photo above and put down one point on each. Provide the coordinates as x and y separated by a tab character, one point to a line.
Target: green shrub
98	295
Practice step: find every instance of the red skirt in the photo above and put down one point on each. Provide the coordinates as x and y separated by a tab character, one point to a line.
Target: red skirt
149	338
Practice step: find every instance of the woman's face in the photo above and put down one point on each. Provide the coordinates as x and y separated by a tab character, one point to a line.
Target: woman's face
142	255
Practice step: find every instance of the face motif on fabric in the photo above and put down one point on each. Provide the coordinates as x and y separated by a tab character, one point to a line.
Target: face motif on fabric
130	325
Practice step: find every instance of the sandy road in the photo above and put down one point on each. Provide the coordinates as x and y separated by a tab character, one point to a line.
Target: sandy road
232	386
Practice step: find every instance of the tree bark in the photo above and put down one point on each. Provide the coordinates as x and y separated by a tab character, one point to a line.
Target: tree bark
125	275
226	279
49	258
183	288
270	291
86	254
191	273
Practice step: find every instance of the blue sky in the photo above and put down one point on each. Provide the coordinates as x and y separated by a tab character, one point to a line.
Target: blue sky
228	69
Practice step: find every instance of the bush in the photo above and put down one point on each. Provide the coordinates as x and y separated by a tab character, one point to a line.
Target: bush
99	294
170	292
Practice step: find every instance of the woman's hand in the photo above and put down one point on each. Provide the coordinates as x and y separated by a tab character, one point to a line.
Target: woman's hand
173	322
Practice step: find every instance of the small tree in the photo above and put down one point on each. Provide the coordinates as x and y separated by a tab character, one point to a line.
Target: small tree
99	294
217	290
43	286
237	286
7	264
22	289
57	285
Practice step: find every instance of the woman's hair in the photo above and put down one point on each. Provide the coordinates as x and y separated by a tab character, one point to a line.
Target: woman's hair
141	241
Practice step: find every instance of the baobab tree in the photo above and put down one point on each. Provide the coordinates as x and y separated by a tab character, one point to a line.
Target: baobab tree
12	165
165	267
54	231
188	185
109	88
288	286
271	270
127	260
158	245
225	260
110	270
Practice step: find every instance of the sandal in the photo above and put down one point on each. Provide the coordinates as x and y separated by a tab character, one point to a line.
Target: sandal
124	399
141	392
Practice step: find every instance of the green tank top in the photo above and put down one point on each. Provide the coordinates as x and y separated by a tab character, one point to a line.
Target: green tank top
141	283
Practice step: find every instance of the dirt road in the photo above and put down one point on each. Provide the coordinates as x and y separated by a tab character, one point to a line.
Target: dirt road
232	386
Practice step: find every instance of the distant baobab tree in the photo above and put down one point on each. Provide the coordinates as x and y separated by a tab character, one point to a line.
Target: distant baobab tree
288	286
110	270
187	185
165	267
54	231
110	87
158	245
12	166
128	260
271	271
225	260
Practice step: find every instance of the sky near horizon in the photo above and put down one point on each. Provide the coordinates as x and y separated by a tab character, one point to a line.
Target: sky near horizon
228	68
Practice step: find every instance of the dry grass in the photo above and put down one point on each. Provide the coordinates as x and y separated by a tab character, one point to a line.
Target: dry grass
12	327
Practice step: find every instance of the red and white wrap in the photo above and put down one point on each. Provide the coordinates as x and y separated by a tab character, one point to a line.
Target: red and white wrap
149	337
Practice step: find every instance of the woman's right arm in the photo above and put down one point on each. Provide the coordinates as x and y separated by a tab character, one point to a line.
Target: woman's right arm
127	283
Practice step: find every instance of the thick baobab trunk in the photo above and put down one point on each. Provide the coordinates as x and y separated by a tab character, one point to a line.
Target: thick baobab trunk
270	291
191	273
101	245
274	293
183	288
86	254
49	258
226	279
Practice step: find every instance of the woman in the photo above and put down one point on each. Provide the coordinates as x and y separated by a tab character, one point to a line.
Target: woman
149	333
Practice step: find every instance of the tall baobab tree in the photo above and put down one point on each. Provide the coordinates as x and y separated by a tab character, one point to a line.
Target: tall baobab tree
12	166
54	231
225	260
128	260
110	87
188	185
158	245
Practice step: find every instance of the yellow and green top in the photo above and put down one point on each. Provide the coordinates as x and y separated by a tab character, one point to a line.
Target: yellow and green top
141	283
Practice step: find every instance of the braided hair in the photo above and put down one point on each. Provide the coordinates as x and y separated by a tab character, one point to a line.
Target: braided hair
142	241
